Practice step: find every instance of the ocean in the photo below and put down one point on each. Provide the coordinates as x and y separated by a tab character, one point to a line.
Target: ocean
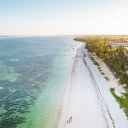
34	73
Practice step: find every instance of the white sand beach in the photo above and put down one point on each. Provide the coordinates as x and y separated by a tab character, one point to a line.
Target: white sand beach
88	99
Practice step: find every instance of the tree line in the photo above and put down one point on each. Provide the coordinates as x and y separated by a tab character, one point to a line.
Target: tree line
113	57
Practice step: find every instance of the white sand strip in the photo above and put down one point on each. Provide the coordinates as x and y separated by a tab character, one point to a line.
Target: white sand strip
113	83
86	102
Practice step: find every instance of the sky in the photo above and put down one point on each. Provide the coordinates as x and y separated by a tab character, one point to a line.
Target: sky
63	17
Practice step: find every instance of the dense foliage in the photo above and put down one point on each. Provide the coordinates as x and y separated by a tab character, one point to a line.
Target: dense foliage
123	100
114	58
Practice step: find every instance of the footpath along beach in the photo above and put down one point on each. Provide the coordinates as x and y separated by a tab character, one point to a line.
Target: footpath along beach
88	99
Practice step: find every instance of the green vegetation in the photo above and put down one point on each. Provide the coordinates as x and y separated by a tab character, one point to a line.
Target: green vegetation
123	100
107	78
126	88
113	57
99	69
96	63
102	73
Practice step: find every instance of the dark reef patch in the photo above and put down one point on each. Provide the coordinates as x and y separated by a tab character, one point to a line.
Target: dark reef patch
33	66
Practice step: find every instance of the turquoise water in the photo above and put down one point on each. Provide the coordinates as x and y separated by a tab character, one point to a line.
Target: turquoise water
34	73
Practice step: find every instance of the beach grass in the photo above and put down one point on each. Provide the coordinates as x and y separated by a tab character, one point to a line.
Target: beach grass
107	78
96	63
102	73
99	69
123	100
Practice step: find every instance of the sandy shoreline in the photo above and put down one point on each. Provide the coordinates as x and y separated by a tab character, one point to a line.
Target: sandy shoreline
64	109
88	99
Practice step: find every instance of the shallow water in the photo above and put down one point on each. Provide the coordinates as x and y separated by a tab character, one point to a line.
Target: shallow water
34	72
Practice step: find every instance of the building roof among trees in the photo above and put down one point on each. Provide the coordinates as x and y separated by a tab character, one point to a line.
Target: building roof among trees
118	42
